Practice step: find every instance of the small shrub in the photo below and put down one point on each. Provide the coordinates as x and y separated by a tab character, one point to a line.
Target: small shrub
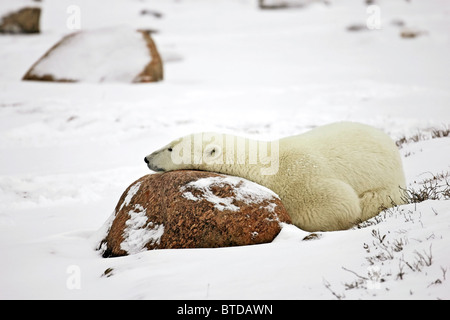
432	133
440	133
435	188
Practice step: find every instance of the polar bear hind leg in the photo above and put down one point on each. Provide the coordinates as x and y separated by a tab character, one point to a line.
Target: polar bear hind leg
375	201
331	205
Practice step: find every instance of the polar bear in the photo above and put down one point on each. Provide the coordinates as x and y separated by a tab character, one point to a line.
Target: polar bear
329	178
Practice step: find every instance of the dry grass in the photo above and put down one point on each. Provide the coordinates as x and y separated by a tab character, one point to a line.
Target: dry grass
433	133
437	187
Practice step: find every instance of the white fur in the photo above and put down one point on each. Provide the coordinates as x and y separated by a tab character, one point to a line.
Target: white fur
328	178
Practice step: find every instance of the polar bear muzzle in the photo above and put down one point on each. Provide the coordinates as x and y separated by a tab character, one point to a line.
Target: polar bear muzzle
151	165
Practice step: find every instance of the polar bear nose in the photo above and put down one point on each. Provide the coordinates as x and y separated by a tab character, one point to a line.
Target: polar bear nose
146	160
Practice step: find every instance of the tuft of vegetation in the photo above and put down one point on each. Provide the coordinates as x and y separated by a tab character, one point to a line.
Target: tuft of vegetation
440	133
437	187
433	133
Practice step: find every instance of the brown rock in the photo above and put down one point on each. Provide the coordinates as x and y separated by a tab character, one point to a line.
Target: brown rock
25	20
192	209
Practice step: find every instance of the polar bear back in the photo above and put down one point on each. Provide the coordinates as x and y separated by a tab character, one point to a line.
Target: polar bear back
364	157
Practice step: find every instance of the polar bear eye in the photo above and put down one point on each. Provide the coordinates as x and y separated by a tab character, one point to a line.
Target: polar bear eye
212	152
170	149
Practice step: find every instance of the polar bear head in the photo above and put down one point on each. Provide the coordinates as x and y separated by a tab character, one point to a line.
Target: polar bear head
217	152
195	151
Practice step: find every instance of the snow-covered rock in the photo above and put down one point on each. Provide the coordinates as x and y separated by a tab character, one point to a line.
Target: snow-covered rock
117	54
192	209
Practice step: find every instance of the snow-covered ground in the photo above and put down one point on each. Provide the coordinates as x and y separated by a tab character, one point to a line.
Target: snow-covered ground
68	151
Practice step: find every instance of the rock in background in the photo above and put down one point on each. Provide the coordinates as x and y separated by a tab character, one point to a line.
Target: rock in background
192	209
116	54
20	17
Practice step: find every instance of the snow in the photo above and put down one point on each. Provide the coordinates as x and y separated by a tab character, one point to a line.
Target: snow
68	151
130	194
243	190
138	233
